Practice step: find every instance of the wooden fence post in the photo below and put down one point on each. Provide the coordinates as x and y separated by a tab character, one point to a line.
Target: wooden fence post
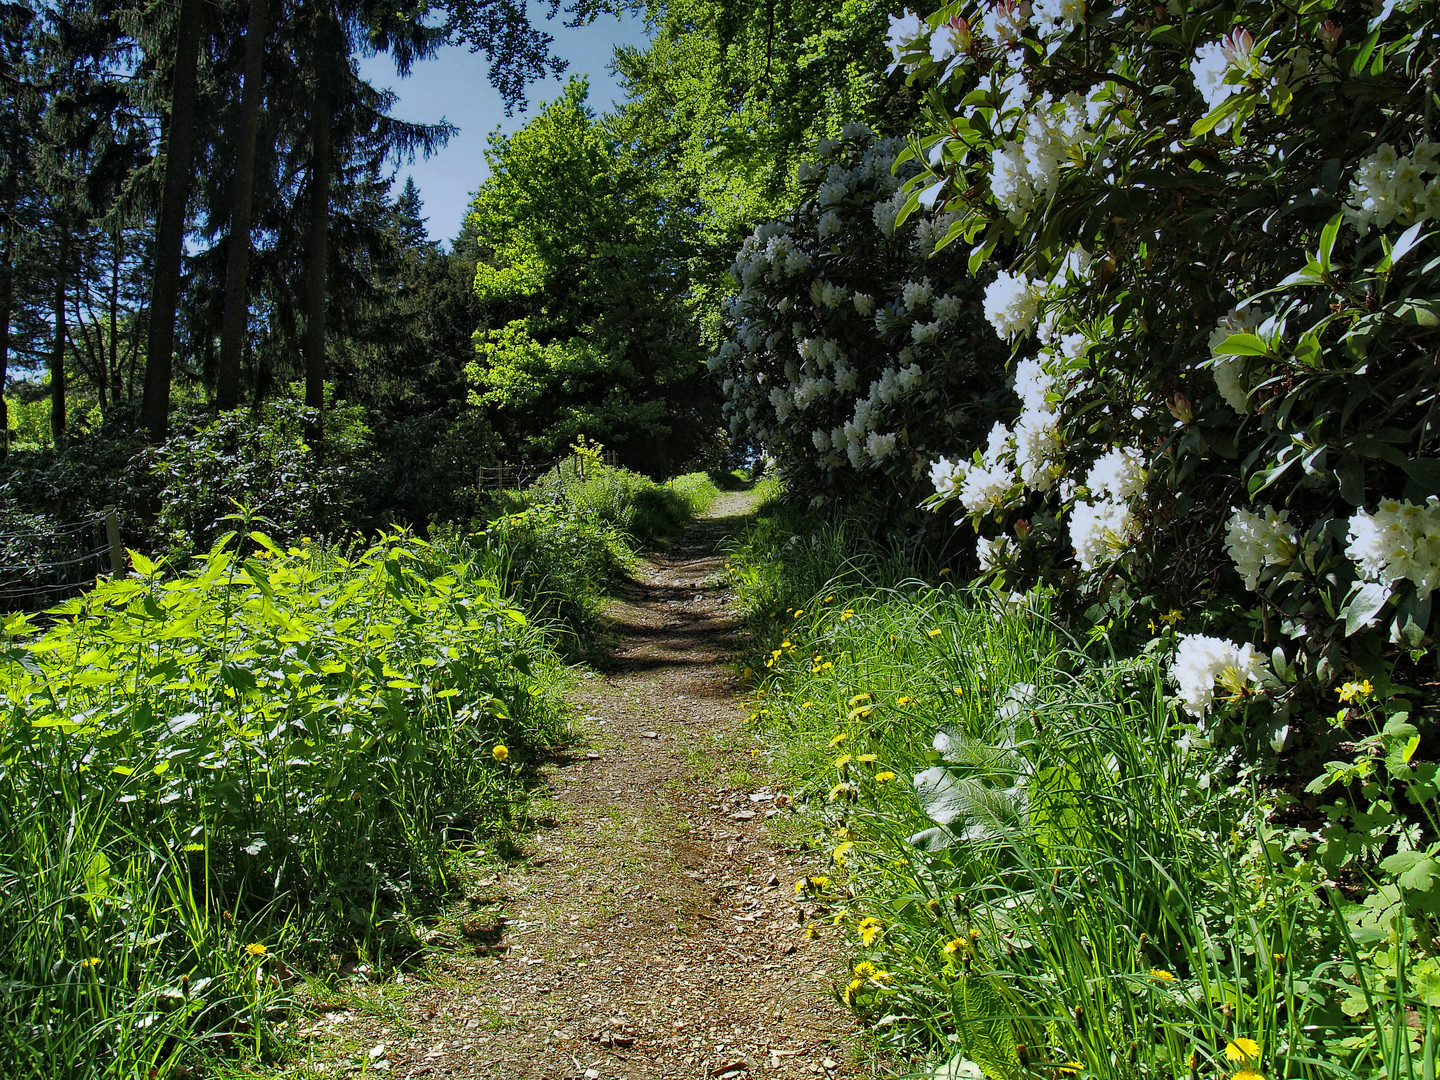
112	536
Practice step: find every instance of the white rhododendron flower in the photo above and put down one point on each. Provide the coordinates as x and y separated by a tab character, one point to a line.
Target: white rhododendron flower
1051	15
992	552
947	476
1118	473
1229	371
1212	69
1004	23
906	32
1255	541
1201	661
864	303
1400	541
1037	446
1101	530
1388	187
986	486
916	294
1011	304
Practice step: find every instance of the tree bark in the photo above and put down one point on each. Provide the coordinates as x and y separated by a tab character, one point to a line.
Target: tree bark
235	326
7	303
170	229
57	353
316	256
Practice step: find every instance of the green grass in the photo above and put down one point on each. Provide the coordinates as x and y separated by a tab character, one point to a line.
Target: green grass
1069	881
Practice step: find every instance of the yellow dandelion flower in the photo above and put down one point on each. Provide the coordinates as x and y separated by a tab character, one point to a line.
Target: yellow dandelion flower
1162	975
827	666
787	644
500	752
856	985
1242	1050
959	691
801	885
256	949
866	970
819	881
956	945
847	614
829	599
842	761
904	699
840	917
869	929
866	759
806	704
811	933
934	633
1247	1074
884	777
841	850
838	739
91	962
1070	1068
838	790
944	572
1354	691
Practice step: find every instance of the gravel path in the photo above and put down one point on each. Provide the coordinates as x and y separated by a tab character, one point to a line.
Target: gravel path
655	933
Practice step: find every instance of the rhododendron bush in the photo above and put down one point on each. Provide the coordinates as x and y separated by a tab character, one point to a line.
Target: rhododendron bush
856	353
1207	236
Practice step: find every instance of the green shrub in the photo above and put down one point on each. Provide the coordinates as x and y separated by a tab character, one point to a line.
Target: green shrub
205	777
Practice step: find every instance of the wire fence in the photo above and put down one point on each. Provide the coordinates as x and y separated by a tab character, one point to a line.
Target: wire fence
43	563
522	474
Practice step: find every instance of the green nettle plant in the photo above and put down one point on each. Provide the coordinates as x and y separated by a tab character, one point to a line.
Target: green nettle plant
856	352
1205	234
270	756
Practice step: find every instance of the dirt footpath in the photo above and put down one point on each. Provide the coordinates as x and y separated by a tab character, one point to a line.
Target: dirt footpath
655	931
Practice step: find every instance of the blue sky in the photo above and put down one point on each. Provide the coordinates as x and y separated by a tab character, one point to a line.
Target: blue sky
453	86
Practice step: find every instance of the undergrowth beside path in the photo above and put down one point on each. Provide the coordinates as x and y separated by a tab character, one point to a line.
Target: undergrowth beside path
1031	874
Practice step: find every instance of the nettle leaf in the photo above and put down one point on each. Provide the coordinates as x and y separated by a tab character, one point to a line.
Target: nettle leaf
1413	869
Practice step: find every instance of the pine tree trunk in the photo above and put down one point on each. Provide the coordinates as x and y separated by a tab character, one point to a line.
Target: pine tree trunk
7	303
57	353
170	229
316	256
235	327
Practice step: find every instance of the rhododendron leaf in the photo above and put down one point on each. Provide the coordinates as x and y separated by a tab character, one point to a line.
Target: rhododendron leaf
1363	53
1242	345
1365	605
1419	311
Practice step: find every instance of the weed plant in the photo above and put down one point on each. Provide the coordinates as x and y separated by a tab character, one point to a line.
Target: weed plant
563	544
209	780
1034	876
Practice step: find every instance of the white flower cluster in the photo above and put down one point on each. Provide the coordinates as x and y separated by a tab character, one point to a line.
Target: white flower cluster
1011	304
828	376
1399	542
1390	187
1200	662
1255	541
1025	169
1103	528
1229	371
1221	69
